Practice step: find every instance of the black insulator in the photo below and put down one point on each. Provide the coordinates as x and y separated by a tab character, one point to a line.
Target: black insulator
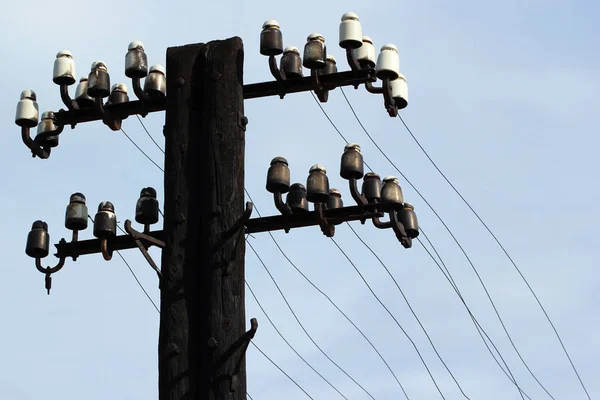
335	199
146	209
271	39
291	64
98	83
352	162
408	218
278	176
117	97
391	194
330	66
317	185
76	217
296	198
371	187
38	240
315	53
105	222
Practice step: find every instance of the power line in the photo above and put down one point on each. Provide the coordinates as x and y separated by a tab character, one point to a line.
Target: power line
480	330
392	315
148	133
330	301
334	126
288	343
250	397
142	151
280	369
133	273
485	225
493	304
409	306
302	326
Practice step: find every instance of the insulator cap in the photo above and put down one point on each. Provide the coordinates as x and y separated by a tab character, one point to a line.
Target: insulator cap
371	187
317	185
98	80
64	68
136	60
350	31
315	52
38	240
388	62
335	199
296	199
28	113
76	216
352	166
408	218
278	176
400	92
271	39
146	209
365	55
155	83
291	63
391	194
105	222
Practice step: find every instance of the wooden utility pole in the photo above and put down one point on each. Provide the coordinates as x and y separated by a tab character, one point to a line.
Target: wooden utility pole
202	324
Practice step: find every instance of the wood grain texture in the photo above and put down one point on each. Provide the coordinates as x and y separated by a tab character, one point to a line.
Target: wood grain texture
202	295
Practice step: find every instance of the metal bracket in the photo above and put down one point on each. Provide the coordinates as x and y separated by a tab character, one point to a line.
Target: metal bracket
278	74
66	99
242	343
49	271
137	238
327	228
318	88
36	150
239	224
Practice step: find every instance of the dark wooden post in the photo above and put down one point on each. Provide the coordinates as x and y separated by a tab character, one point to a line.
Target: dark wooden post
202	294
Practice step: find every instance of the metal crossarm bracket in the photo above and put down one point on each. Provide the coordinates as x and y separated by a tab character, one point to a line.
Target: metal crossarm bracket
137	238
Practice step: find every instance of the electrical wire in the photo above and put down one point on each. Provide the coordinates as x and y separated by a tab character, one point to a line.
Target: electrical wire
280	369
302	326
288	343
334	126
485	225
133	273
480	330
393	317
493	304
250	397
409	307
330	301
142	151
148	133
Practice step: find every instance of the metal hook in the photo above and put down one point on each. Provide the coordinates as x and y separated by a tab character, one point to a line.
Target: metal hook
49	271
140	94
283	208
36	150
327	228
104	249
66	99
107	118
399	230
358	198
278	74
389	102
380	224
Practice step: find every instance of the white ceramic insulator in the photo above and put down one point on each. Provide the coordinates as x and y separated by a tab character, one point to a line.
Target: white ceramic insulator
64	67
317	167
350	32
388	62
366	52
400	88
27	110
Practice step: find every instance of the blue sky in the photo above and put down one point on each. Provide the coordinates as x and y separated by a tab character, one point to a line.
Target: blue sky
502	95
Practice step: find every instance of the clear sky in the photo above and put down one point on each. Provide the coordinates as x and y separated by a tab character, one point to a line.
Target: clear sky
503	95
